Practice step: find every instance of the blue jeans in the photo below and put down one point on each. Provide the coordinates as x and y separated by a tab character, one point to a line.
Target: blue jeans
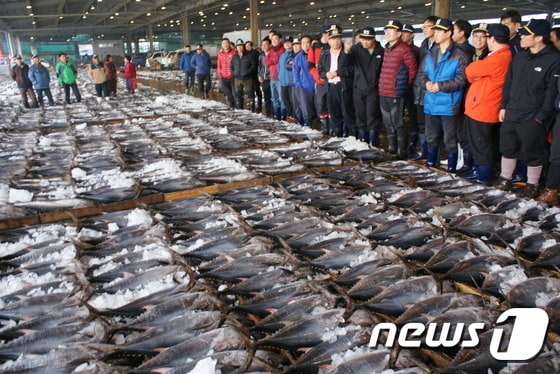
277	103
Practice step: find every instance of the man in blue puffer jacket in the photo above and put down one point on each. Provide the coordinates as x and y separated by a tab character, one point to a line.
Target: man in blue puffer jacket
201	63
442	73
40	77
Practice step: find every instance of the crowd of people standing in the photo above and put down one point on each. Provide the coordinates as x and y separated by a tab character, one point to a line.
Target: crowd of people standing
494	101
103	75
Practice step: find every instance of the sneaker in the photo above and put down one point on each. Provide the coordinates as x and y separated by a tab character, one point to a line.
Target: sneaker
504	184
531	191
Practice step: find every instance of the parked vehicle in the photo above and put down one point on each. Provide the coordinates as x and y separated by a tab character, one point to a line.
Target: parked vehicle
157	57
139	59
172	59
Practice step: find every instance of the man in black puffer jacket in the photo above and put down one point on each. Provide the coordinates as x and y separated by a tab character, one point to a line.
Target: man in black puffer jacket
243	68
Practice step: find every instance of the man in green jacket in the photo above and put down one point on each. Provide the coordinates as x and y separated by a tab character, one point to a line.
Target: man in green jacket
66	74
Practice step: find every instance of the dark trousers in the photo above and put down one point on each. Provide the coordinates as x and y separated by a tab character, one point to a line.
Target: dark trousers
421	119
75	90
228	87
442	126
368	112
321	106
101	89
481	140
392	109
298	114
267	95
243	86
258	94
189	79
553	176
525	141
334	105
306	102
462	133
204	85
28	91
47	92
348	111
287	100
412	110
112	85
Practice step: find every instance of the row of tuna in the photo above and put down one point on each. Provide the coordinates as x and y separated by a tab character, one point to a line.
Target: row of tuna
290	277
119	149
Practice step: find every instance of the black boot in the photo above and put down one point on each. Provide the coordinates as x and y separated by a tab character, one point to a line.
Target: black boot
362	135
432	156
520	172
412	143
352	131
452	162
484	173
422	148
392	143
324	125
373	137
402	148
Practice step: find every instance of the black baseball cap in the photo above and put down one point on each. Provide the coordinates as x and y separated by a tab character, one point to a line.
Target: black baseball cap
497	29
393	24
367	33
537	27
443	24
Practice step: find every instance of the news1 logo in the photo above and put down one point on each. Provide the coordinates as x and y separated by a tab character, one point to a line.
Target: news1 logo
525	342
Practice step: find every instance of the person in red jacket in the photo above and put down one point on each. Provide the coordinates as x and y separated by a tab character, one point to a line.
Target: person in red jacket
227	80
271	61
129	73
482	103
398	71
320	86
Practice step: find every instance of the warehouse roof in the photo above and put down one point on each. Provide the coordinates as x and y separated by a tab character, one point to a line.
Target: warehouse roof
60	20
